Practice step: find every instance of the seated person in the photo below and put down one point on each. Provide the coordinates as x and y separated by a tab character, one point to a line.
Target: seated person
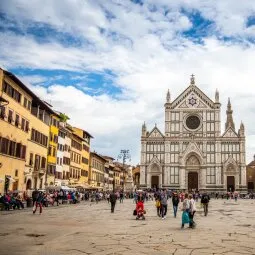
19	201
4	201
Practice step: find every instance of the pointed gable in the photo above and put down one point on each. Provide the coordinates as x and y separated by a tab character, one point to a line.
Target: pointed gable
193	97
192	148
230	133
155	133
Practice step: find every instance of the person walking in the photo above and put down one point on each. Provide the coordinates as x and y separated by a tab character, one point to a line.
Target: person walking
205	201
235	196
113	199
192	211
38	202
163	202
108	197
158	206
185	209
35	196
175	201
121	197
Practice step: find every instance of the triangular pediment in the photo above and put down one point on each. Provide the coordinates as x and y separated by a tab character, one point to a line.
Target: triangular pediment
230	160
155	133
230	133
155	160
192	98
192	149
230	165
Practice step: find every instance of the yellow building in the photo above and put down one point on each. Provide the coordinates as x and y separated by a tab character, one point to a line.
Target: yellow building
24	129
117	174
136	176
85	154
75	159
96	171
52	149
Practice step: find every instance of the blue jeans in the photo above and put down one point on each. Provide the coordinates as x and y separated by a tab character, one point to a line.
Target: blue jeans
175	210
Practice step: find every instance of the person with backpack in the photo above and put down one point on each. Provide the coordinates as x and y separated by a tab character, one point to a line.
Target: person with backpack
163	202
205	201
113	198
38	202
175	201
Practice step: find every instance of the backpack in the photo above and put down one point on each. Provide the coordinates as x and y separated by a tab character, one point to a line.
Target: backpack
205	199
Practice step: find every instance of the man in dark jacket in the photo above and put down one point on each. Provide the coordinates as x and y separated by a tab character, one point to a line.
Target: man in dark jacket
175	201
205	201
113	198
35	194
38	202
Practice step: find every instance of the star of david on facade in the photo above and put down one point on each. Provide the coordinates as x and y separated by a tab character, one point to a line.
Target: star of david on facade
192	101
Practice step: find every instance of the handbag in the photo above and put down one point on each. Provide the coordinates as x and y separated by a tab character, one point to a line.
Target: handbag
185	217
135	212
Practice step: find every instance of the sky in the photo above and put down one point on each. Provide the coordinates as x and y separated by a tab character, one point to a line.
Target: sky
108	64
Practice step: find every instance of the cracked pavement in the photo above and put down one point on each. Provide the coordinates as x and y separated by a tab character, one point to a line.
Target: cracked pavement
89	228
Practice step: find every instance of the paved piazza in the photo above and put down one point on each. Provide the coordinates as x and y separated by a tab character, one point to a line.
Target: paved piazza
89	228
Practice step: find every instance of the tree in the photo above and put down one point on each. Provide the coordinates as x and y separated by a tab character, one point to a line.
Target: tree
64	117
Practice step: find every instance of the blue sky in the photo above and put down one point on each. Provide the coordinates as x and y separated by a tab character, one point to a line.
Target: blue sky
120	57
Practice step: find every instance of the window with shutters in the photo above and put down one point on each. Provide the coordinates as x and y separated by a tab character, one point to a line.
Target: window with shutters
43	164
17	120
10	116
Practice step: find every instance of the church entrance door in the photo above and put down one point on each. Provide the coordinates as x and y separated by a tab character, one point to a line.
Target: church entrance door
154	182
192	181
230	183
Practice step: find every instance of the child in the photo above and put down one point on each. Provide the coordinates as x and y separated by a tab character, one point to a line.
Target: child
158	206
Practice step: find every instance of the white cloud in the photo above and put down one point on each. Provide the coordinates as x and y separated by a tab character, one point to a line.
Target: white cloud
148	56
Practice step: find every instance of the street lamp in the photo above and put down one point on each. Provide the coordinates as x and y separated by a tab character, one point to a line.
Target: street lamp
124	155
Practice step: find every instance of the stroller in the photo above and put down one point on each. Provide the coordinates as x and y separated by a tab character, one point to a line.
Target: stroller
140	210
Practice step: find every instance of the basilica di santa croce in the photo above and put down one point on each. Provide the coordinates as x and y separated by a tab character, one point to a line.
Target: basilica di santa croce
193	154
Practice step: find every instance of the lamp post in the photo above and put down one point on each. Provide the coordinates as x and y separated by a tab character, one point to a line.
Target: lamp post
124	155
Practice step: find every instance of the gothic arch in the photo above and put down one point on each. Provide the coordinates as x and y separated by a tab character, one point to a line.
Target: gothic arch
155	168
193	159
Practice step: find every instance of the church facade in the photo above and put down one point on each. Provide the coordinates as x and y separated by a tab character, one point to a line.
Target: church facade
193	153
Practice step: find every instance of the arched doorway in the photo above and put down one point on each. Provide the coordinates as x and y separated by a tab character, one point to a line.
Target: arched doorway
192	181
192	167
230	183
155	176
29	184
154	182
230	178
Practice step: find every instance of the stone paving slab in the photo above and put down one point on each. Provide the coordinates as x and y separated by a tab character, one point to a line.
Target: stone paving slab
90	228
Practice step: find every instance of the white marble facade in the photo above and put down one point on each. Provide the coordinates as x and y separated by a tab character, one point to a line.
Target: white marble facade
193	153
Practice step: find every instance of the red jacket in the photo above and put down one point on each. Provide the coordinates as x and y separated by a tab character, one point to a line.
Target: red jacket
139	206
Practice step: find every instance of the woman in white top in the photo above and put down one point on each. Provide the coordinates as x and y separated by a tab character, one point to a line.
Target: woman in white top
185	209
192	211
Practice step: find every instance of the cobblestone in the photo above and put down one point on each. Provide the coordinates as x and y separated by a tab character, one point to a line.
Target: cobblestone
89	228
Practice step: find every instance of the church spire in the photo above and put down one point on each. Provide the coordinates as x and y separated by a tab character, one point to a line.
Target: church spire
229	122
144	129
217	96
168	97
241	130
